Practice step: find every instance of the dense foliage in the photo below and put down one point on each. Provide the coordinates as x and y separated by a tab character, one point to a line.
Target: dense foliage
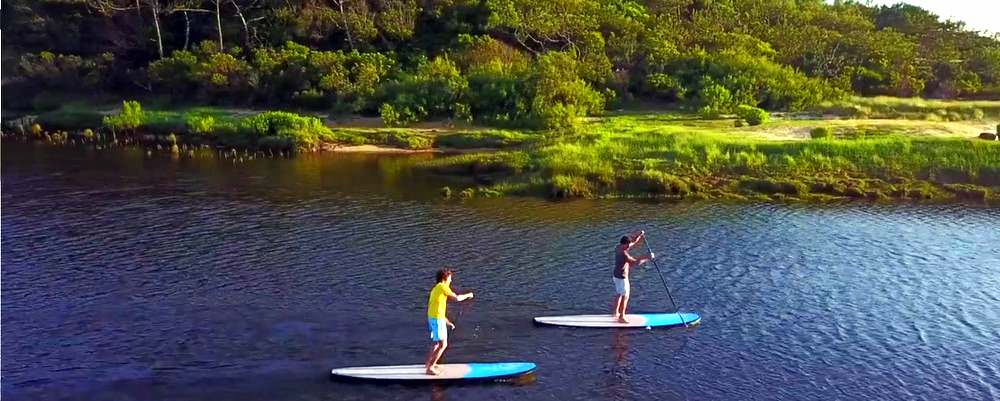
505	62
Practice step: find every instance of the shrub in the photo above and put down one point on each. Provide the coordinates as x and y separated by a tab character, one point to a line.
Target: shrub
499	93
130	118
665	87
715	100
200	124
752	115
560	96
435	89
66	71
393	117
821	133
303	131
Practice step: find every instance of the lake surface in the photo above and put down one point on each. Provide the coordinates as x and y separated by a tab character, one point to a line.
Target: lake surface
129	277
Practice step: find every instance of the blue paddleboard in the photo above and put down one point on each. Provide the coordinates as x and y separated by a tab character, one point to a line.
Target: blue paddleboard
451	371
634	320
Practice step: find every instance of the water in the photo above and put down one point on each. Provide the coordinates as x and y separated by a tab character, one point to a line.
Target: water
128	277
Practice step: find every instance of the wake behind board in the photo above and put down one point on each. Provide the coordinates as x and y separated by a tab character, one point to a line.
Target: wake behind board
449	372
635	320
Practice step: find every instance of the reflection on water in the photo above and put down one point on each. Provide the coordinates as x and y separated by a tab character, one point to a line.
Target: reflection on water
134	277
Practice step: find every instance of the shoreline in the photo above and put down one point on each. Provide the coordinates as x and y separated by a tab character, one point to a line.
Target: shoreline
653	155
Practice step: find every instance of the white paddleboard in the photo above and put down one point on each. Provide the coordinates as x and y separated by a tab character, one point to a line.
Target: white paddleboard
634	320
451	371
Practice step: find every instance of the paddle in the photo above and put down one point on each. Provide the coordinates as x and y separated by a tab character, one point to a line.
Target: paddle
664	281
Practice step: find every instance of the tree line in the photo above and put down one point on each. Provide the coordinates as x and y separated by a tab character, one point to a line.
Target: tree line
503	62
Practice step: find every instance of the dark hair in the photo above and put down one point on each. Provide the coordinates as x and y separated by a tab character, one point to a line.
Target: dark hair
624	240
443	274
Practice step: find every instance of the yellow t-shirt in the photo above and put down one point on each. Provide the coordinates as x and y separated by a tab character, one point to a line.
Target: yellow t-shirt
437	303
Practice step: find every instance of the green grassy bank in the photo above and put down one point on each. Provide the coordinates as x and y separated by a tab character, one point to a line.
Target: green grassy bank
244	129
654	154
673	156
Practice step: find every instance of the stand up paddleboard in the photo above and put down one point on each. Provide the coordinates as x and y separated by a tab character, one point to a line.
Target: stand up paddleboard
635	320
449	372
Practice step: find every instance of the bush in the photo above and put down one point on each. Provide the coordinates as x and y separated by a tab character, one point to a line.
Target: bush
560	96
821	133
748	79
436	89
301	130
202	125
665	87
715	100
66	71
499	93
131	117
752	115
207	72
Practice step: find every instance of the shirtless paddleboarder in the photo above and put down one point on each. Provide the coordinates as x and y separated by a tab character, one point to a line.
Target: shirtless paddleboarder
623	263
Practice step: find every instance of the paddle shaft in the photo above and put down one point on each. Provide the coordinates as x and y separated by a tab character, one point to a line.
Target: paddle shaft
664	281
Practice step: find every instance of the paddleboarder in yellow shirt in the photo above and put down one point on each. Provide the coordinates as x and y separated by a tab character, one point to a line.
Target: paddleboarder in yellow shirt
437	318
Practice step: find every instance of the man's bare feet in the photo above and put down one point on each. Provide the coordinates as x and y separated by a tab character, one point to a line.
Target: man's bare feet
622	319
434	370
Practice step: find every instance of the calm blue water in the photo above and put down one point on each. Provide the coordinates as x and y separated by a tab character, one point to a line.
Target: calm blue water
126	277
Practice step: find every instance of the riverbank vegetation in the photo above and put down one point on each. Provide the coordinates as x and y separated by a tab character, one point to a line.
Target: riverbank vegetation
675	157
506	63
588	98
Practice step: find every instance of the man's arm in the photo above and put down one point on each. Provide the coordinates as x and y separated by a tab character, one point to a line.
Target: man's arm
638	237
455	297
636	262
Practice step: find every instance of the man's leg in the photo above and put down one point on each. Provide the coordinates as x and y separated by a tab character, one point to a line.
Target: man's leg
621	310
439	347
617	306
432	358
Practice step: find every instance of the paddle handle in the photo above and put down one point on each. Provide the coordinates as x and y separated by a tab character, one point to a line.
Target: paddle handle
664	281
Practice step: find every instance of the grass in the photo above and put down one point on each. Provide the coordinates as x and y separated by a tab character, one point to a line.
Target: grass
225	122
884	107
675	156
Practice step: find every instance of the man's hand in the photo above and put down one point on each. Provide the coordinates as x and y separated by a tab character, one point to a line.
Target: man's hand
450	324
467	295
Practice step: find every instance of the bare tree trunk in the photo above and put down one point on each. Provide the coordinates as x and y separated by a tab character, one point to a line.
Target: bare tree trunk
343	18
155	6
187	30
218	21
246	29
